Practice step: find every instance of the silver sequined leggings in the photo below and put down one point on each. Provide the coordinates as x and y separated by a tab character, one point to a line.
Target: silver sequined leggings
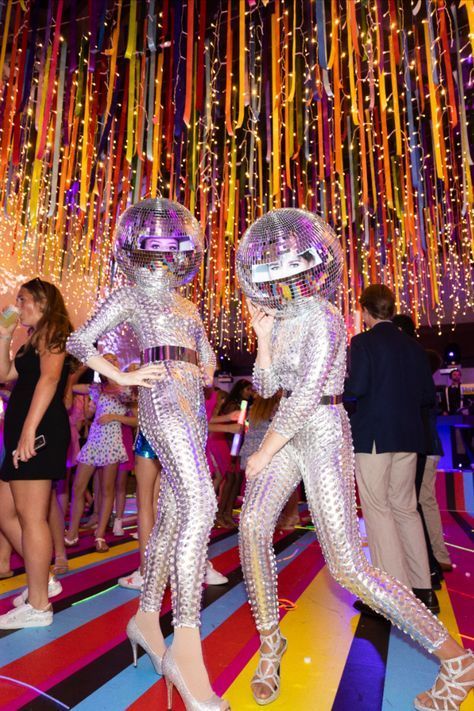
175	425
322	456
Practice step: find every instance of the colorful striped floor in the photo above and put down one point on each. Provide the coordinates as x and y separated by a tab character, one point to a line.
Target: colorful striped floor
336	659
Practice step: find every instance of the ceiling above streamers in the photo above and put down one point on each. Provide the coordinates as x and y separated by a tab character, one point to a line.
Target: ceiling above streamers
355	109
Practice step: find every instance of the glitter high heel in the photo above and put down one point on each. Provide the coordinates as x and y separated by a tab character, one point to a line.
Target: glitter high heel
448	693
136	638
173	677
270	675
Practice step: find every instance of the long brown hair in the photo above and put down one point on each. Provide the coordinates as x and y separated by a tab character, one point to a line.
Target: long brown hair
263	408
54	326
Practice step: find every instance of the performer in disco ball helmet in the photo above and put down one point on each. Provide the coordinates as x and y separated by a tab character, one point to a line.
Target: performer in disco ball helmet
287	256
159	246
289	263
158	243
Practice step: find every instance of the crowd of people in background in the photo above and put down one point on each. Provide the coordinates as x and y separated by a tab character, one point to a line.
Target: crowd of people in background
397	450
91	448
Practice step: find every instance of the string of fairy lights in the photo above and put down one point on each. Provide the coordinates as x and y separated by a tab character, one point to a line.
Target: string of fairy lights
355	109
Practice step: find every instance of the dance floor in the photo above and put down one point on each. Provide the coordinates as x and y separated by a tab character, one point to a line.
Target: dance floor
335	660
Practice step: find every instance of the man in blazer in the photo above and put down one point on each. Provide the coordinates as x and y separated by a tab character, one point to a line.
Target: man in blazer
390	380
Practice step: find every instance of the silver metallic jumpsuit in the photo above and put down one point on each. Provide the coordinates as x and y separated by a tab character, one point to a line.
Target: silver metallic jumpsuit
172	417
308	359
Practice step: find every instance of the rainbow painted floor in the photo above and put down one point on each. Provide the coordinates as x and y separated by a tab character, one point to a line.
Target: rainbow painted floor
336	659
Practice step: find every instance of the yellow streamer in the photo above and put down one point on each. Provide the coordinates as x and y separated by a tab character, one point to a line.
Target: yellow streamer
350	51
396	106
5	38
229	229
85	146
469	5
435	114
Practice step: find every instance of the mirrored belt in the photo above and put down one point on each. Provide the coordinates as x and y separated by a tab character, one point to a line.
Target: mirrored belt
157	353
325	399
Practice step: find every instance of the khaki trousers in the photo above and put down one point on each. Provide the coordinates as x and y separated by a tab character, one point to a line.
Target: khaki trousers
387	493
431	513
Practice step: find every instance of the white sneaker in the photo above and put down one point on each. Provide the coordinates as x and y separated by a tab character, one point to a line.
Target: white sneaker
54	588
213	577
26	616
133	581
118	528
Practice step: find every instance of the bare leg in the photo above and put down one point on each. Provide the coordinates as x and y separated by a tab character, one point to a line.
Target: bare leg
56	524
5	555
9	522
32	501
62	492
83	474
120	493
148	474
107	490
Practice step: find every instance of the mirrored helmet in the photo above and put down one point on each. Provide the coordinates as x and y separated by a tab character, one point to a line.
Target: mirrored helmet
287	256
158	242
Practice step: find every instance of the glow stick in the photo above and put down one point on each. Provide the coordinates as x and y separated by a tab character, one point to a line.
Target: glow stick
237	439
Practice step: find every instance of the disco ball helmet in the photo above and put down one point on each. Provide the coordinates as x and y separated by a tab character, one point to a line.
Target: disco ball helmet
158	243
287	256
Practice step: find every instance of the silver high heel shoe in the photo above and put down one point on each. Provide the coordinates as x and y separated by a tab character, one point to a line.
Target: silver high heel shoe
136	638
270	675
448	692
173	677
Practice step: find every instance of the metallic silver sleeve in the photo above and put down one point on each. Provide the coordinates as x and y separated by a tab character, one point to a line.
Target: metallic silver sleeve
265	381
320	452
207	357
113	311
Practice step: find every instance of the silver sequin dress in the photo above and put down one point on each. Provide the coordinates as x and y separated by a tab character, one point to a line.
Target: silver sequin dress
172	417
309	359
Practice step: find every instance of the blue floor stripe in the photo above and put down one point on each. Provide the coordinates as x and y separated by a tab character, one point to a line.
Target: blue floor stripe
468	480
131	683
408	661
27	640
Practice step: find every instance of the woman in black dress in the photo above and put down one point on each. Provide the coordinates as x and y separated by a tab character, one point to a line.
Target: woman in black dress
35	409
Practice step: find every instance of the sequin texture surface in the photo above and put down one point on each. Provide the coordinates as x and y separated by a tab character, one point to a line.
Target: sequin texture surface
308	359
173	419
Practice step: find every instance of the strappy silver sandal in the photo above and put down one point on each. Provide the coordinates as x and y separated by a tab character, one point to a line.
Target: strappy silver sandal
448	693
268	670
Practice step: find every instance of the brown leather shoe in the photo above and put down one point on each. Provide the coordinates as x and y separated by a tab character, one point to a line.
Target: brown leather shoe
446	567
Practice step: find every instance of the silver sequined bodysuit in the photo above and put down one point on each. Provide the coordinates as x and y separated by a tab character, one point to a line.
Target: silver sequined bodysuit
309	359
172	417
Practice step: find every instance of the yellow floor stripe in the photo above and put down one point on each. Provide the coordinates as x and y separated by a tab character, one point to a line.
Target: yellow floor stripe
81	561
320	633
447	615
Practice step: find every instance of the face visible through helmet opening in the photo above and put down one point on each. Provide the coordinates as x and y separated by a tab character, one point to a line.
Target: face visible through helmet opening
286	257
159	243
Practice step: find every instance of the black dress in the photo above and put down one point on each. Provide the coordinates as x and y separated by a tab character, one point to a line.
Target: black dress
50	461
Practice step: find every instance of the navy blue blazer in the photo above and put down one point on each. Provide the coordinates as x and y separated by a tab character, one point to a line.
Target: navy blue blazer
390	377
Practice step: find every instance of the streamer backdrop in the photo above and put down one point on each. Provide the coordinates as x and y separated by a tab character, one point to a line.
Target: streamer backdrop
356	109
